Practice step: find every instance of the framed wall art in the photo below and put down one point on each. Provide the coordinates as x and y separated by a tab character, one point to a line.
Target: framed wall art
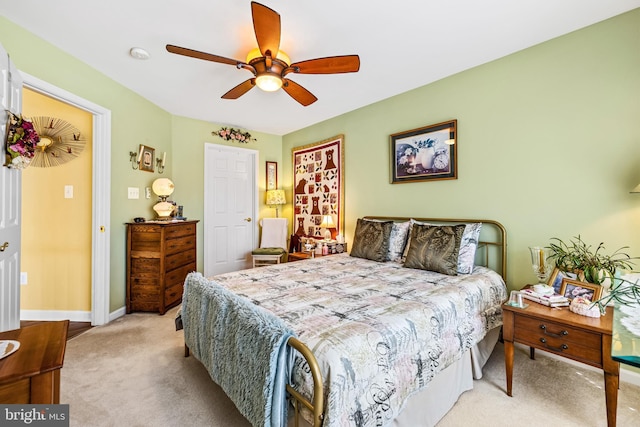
318	187
574	288
272	175
146	158
425	154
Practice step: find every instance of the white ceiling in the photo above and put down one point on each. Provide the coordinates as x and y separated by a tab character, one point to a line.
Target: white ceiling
402	44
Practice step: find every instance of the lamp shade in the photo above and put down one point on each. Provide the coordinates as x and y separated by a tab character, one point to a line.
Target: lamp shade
327	222
636	190
163	187
275	197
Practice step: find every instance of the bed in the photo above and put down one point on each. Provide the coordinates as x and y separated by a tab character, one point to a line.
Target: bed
390	334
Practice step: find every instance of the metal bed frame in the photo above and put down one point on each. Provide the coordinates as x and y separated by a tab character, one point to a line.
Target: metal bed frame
492	248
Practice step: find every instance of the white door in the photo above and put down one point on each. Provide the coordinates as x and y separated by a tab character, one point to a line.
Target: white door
10	210
230	206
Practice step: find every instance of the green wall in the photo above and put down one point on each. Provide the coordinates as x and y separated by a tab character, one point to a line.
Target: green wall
548	144
189	137
134	121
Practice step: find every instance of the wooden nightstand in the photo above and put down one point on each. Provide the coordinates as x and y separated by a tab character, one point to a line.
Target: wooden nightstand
299	256
559	331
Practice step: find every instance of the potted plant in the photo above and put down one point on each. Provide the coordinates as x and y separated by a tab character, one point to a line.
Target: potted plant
597	268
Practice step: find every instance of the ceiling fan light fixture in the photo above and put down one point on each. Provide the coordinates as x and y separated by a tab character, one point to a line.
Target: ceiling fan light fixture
255	53
269	82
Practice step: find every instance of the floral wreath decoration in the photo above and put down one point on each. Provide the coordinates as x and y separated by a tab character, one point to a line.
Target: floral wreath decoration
231	134
21	141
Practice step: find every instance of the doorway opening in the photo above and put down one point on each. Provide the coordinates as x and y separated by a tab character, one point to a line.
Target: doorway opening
101	192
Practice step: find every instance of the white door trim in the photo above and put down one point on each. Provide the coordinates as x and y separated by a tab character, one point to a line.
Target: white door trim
255	154
101	199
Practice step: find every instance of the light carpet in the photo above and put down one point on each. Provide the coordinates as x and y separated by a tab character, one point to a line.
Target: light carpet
132	372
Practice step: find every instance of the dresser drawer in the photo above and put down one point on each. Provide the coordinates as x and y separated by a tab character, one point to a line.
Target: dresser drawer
173	294
178	231
572	342
180	244
177	260
178	275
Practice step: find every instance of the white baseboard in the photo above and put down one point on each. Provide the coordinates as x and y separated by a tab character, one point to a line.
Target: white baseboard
626	375
118	313
74	316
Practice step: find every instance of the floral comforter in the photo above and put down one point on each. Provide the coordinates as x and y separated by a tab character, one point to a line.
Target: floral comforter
379	331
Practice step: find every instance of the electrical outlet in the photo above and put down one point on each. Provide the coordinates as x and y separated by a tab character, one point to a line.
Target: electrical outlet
23	278
133	193
147	192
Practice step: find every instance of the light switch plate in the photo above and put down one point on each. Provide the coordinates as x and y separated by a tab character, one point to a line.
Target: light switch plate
147	192
68	191
133	193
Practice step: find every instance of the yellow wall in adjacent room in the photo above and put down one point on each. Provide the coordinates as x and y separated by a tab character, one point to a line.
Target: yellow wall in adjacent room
56	232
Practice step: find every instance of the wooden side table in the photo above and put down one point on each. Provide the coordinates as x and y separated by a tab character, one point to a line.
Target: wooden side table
299	256
32	374
559	331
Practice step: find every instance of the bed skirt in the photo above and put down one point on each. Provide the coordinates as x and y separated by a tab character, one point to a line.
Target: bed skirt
428	406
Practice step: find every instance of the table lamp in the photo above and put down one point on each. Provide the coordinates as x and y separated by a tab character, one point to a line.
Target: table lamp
163	187
275	198
327	223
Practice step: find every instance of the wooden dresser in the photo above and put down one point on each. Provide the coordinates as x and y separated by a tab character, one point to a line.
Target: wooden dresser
159	257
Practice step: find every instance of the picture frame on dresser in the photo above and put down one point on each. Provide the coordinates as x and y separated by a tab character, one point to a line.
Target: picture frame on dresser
575	288
427	153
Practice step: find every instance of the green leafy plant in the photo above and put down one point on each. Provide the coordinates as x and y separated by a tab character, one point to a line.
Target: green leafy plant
595	265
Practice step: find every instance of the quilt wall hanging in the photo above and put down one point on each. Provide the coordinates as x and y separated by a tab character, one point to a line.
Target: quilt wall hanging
318	186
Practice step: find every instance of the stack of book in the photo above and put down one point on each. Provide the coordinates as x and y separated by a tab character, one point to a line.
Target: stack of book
553	300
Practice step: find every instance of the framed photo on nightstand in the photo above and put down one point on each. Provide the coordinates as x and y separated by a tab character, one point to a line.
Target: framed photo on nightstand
575	288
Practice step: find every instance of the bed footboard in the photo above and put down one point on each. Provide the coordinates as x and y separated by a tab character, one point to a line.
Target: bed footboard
316	405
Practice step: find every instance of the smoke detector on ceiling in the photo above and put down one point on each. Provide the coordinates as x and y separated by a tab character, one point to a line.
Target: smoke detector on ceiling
139	53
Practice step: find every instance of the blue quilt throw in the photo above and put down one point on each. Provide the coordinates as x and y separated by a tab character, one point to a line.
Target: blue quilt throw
247	344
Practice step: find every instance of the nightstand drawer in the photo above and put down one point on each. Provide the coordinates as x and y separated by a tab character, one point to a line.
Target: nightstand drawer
558	338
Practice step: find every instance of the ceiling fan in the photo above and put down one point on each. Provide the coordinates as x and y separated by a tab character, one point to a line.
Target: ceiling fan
269	65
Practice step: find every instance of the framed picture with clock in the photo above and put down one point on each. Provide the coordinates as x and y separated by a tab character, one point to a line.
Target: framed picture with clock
425	154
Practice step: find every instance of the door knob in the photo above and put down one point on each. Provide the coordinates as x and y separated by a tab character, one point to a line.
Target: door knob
4	246
248	219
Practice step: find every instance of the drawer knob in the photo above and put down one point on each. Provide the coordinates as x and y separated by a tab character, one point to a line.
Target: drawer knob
551	334
558	349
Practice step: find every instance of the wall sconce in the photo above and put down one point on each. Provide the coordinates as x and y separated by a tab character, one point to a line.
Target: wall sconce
134	158
275	198
160	162
636	189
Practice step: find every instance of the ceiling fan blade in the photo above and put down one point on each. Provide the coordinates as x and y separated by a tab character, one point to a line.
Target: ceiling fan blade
299	93
202	55
240	90
266	25
328	65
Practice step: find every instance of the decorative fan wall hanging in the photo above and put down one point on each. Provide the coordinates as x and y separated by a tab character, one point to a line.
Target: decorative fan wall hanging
60	142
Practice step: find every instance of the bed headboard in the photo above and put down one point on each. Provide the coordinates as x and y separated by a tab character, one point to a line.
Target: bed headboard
492	247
